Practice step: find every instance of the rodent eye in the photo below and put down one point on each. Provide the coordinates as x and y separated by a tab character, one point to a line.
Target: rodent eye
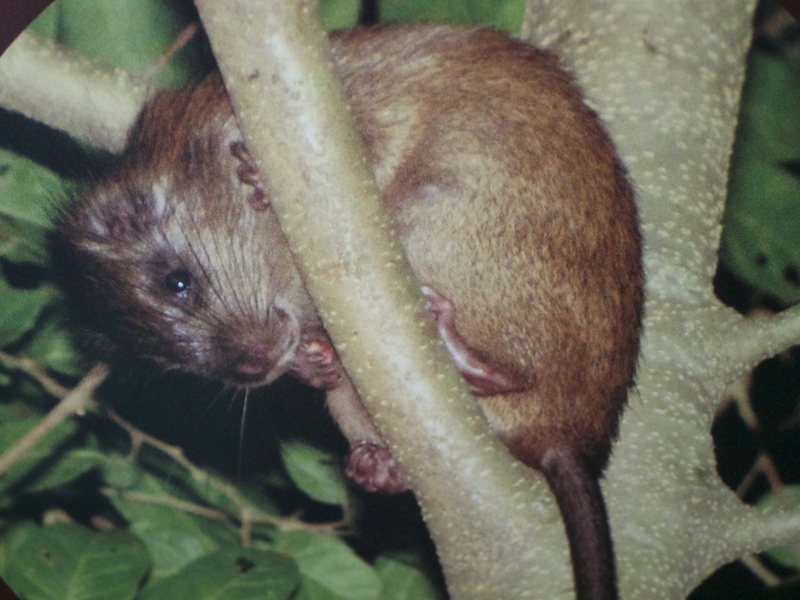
178	281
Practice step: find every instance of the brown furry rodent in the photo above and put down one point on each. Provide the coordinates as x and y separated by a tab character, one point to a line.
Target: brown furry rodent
514	211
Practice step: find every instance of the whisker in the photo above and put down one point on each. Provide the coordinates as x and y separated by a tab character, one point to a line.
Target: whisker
241	435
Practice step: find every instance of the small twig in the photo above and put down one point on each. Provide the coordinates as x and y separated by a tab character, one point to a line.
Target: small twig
247	527
74	402
758	569
293	523
189	507
739	393
762	465
183	38
36	371
248	514
744	402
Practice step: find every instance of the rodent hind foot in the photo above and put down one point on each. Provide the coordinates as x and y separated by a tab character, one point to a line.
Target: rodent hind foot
483	377
372	466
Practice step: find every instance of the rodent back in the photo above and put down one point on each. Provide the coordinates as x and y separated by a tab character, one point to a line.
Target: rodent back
512	203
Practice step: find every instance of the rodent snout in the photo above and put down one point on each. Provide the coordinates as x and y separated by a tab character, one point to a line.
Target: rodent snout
257	361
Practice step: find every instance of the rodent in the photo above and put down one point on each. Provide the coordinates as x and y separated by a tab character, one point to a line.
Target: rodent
515	212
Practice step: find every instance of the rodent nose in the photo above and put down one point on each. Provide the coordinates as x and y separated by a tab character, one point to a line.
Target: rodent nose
256	364
248	371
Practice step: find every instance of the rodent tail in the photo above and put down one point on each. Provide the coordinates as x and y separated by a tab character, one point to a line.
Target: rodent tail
583	510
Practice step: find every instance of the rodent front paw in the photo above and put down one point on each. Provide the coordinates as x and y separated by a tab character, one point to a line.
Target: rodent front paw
249	174
372	466
316	362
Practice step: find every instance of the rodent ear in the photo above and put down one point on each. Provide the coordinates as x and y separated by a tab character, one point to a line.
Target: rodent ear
122	214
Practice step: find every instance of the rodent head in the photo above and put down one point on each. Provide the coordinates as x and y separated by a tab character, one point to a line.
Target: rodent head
182	271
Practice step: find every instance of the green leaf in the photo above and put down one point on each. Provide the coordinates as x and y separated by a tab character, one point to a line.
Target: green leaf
28	190
67	561
155	506
69	467
504	14
52	346
121	473
338	14
171	550
330	570
152	503
129	35
21	309
760	228
788	555
402	581
232	574
770	110
213	496
29	195
46	24
315	472
760	231
22	242
50	463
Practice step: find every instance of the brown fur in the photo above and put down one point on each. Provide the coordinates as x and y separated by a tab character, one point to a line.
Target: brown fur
528	183
511	204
